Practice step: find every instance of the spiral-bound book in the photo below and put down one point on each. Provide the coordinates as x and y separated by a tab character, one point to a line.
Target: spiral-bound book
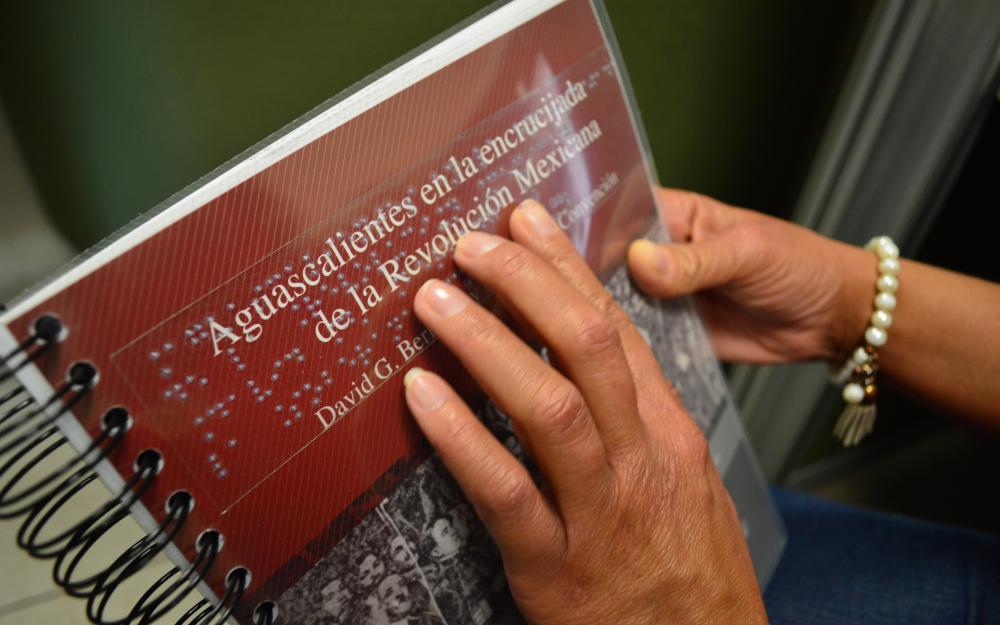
230	364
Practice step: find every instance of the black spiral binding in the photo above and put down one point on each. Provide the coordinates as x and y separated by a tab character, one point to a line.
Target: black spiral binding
28	435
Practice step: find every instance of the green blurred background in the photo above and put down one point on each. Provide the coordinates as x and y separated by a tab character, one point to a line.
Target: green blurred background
117	105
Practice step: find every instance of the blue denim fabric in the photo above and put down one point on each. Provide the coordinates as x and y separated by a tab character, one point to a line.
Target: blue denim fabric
846	566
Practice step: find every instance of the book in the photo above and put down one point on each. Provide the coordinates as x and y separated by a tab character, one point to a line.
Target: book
231	364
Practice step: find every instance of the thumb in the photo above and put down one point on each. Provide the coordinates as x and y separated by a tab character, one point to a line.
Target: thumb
676	269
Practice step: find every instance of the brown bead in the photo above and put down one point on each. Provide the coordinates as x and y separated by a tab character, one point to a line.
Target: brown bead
870	392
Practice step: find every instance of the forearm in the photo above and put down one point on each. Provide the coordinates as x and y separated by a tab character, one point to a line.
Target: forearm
944	342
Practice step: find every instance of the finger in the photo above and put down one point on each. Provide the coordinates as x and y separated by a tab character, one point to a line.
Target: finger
676	269
582	339
500	488
549	410
533	227
677	210
691	216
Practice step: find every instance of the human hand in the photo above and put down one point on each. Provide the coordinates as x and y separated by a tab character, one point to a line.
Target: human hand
768	291
633	524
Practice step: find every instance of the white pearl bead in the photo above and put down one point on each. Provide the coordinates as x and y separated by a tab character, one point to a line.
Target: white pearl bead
874	243
887	249
887	284
876	337
885	301
888	266
861	356
881	319
853	393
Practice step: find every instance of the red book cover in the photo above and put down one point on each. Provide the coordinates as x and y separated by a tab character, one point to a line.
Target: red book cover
253	332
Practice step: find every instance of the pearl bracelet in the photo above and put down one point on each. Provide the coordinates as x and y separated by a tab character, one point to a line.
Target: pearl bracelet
861	368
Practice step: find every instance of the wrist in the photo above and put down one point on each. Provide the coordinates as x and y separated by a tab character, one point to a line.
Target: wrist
858	271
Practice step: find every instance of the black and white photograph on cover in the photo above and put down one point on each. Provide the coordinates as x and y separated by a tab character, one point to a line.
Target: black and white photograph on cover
369	578
455	555
420	558
677	338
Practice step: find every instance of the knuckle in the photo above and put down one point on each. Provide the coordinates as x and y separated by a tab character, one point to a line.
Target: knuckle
609	307
476	328
561	410
694	449
596	336
606	304
751	239
564	258
459	429
513	260
512	494
691	265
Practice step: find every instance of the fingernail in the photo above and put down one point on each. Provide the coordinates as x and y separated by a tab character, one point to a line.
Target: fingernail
651	254
477	243
443	298
425	390
537	218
